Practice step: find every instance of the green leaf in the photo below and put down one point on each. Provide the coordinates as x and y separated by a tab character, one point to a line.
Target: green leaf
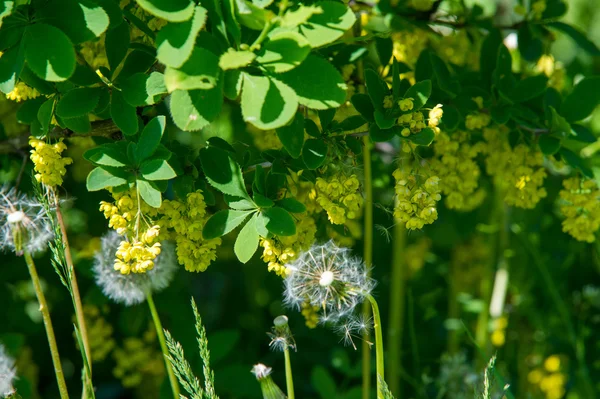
279	221
420	93
192	110
291	205
80	20
27	113
362	103
223	222
529	88
150	138
262	201
583	134
317	83
530	46
220	143
582	100
11	65
329	25
298	16
376	88
443	78
175	42
239	204
49	52
140	89
138	60
117	44
100	178
451	118
549	145
576	162
314	153
171	10
246	242
424	137
149	193
384	121
111	154
284	50
200	71
78	124
251	16
123	114
222	172
44	115
78	102
559	125
379	135
157	169
292	136
235	59
579	38
267	103
96	19
323	383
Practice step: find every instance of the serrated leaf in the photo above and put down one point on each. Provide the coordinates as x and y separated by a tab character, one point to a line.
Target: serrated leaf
96	19
157	169
222	172
140	89
149	193
292	136
362	103
246	242
123	114
317	83
171	10
150	138
267	103
284	50
117	44
49	52
112	154
175	41
100	178
298	16
78	102
78	124
279	221
80	20
235	59
194	109
11	65
291	205
200	71
314	153
223	222
584	98
329	25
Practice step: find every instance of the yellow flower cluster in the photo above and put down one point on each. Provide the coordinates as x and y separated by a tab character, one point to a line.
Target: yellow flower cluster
498	337
458	48
549	379
311	314
303	191
411	123
136	253
555	71
435	117
477	121
8	110
416	199
454	163
408	45
99	332
48	163
183	220
537	9
22	92
519	170
280	250
94	52
581	208
339	195
138	359
264	139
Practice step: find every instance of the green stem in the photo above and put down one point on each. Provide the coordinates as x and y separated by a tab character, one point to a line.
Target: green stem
163	345
289	379
453	308
262	36
396	318
60	377
378	345
368	258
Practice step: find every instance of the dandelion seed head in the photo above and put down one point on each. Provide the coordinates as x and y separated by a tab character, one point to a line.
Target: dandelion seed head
131	289
8	373
354	326
261	371
24	223
327	276
281	335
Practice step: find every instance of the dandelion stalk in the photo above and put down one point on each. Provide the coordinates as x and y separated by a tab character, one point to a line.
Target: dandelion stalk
379	361
60	378
396	318
163	345
289	379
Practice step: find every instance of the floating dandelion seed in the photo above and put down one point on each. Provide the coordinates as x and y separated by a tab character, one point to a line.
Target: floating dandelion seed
355	326
7	373
24	223
328	276
131	289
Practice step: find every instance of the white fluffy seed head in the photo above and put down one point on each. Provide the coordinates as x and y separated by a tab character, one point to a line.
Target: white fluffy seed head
131	289
24	223
8	373
329	277
261	371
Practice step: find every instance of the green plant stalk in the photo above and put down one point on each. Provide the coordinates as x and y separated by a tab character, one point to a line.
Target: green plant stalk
378	346
453	309
289	378
396	316
368	258
163	345
60	377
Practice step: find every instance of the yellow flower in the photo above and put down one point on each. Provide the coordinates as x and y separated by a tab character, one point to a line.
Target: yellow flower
388	102
99	332
48	162
581	208
22	92
552	363
477	121
138	359
339	195
311	314
406	104
416	199
498	338
537	9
